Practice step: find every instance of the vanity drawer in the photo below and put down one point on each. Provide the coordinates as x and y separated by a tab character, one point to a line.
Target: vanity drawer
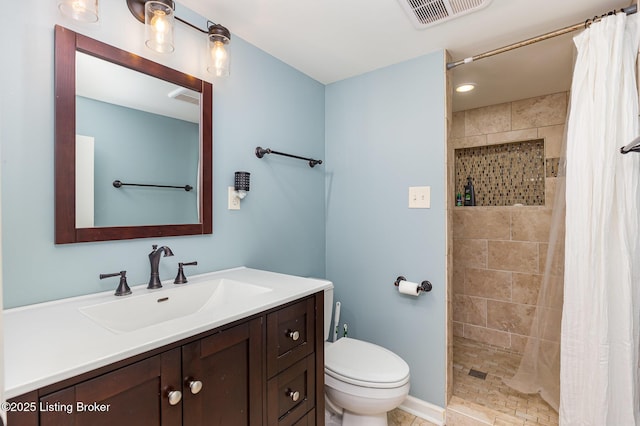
291	394
290	335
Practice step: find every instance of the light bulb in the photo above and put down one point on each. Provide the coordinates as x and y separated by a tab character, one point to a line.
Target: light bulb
219	53
80	10
160	26
219	58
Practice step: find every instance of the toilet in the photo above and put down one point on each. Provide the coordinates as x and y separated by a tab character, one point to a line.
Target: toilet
363	381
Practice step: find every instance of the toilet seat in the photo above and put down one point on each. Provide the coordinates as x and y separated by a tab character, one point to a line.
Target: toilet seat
365	364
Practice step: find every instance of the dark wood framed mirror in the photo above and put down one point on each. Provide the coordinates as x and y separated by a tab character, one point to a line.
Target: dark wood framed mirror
68	46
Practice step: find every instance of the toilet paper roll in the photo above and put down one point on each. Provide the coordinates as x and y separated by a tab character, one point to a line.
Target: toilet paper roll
407	287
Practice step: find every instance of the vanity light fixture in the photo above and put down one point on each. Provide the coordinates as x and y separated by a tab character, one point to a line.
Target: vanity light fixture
80	10
465	87
218	46
159	32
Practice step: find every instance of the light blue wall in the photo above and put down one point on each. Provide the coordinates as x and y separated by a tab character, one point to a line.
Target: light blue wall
347	219
136	146
280	226
385	132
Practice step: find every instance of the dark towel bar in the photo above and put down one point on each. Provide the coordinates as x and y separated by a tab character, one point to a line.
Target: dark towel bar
118	184
260	152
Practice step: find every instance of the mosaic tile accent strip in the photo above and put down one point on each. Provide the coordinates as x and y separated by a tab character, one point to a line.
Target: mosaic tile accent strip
553	164
505	174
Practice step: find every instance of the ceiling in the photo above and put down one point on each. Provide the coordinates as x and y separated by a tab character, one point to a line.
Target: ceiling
331	40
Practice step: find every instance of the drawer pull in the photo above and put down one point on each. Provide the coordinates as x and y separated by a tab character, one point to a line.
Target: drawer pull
294	395
195	386
174	397
293	335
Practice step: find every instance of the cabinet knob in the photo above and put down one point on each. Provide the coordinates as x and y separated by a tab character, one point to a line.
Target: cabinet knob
174	397
294	395
293	335
195	386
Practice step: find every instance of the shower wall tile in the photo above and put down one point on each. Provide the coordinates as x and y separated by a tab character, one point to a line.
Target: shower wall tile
490	119
518	342
499	252
513	256
481	224
470	254
512	136
530	225
458	329
488	284
476	308
459	308
470	310
541	111
557	266
553	137
487	335
525	288
511	317
550	192
469	141
457	125
458	281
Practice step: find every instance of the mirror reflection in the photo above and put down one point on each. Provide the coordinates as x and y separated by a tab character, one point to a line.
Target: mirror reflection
156	135
137	129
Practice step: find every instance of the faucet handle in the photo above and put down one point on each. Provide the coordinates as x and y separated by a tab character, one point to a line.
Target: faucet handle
181	278
123	288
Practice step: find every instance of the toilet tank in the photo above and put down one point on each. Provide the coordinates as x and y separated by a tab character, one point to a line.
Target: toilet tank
328	309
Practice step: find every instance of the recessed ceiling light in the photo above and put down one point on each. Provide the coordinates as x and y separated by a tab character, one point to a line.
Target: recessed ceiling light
465	87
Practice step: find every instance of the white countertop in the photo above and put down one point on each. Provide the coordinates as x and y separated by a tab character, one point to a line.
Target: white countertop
53	341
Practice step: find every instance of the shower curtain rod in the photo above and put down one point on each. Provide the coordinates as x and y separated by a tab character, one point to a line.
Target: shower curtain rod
630	10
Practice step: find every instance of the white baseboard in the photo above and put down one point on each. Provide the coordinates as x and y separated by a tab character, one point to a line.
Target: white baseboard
424	410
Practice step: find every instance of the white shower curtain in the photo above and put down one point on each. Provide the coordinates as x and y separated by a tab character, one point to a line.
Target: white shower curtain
600	336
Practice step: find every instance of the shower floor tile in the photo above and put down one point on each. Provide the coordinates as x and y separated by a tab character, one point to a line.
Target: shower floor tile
492	393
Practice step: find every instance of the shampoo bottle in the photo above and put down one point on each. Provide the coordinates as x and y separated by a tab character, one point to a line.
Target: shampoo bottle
469	193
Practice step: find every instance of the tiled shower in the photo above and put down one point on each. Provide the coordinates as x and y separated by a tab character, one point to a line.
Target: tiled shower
511	151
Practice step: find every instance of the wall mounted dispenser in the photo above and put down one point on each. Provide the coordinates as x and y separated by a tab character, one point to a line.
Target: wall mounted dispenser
239	189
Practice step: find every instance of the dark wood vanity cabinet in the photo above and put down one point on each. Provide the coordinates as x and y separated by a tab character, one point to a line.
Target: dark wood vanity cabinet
223	377
265	370
127	397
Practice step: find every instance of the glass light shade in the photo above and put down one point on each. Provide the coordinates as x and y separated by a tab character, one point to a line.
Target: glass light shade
158	26
219	55
80	10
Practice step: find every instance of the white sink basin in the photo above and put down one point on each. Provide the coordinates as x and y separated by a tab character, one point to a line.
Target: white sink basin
132	313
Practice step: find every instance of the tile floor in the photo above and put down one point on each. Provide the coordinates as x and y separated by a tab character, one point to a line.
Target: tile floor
491	395
488	401
398	417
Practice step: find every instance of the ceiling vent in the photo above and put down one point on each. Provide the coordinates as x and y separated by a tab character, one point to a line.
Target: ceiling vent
425	13
186	95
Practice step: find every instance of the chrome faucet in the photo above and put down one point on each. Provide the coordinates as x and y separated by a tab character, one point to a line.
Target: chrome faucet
154	259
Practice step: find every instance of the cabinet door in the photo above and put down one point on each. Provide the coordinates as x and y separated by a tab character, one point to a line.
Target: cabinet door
133	395
225	370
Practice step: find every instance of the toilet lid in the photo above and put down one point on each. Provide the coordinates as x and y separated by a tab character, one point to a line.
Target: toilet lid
365	364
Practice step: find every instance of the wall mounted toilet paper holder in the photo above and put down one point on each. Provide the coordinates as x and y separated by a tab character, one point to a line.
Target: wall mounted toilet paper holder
423	287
